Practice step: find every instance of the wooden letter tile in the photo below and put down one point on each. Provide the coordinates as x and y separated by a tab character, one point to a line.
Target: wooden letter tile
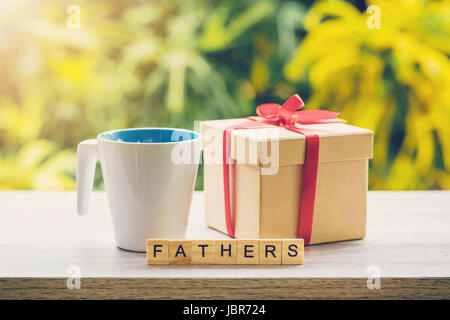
225	251
270	251
247	251
293	251
157	251
180	251
202	252
229	251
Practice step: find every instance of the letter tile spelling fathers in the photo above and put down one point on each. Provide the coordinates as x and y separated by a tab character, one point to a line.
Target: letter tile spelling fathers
230	251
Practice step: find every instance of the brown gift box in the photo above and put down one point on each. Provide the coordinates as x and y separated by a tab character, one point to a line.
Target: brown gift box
265	191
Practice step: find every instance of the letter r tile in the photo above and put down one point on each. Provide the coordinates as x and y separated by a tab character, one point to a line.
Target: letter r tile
270	251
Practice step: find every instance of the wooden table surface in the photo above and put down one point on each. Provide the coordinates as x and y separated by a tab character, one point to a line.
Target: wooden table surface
42	238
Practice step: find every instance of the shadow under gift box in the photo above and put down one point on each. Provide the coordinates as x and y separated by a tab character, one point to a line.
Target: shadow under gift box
265	191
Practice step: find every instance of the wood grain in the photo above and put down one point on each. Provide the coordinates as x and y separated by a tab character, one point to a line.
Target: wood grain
270	251
41	237
247	251
226	251
180	251
234	289
157	251
203	252
292	251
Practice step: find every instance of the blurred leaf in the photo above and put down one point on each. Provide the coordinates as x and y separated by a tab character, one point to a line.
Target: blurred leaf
38	165
32	154
289	20
142	14
392	80
170	63
218	34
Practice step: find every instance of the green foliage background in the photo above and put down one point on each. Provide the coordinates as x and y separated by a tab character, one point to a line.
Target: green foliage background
170	63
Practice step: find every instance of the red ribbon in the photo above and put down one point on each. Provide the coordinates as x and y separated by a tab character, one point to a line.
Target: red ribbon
286	115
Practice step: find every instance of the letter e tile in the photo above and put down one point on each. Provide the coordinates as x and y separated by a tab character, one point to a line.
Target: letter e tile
248	252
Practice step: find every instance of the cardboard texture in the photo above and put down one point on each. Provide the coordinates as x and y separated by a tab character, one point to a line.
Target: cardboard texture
265	197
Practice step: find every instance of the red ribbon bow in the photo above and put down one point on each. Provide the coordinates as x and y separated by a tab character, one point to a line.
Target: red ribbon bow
286	115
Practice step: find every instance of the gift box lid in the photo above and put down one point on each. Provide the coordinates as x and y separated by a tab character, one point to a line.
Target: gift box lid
254	146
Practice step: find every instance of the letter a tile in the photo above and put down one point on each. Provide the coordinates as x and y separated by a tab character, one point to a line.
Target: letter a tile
157	251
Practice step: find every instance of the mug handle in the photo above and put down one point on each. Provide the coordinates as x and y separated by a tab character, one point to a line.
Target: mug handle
87	155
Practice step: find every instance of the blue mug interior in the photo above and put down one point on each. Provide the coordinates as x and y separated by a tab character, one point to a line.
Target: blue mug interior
150	135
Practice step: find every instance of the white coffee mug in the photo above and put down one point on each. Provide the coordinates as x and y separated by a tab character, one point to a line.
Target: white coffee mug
149	176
